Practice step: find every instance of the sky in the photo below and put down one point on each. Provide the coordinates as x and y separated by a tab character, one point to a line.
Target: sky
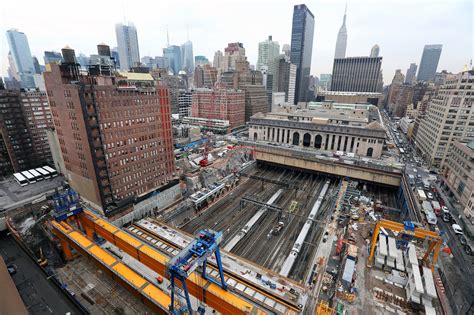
401	28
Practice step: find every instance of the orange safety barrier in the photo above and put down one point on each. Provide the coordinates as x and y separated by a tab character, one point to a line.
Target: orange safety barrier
150	295
213	295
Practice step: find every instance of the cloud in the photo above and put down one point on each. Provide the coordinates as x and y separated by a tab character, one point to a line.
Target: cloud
400	28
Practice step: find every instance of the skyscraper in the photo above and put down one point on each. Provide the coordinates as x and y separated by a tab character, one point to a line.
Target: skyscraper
267	51
286	50
52	56
21	56
398	78
302	34
448	118
218	60
173	54
375	51
127	45
411	73
341	43
357	74
187	57
200	60
429	62
233	53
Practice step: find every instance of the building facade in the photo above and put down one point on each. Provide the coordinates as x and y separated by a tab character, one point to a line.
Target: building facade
324	126
115	137
187	57
219	104
284	77
38	119
410	77
351	97
233	53
429	62
21	57
218	61
357	74
302	34
127	45
449	117
173	54
17	150
52	57
399	97
201	60
341	42
375	51
459	174
185	100
209	76
267	51
198	77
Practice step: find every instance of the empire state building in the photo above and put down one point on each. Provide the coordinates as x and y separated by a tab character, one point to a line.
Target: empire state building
341	42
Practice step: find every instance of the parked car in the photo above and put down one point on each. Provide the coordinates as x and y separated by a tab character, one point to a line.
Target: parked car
457	229
430	195
446	217
468	249
462	239
11	269
445	209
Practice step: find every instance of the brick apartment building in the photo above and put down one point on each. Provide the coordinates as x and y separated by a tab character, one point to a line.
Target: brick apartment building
114	133
38	120
220	104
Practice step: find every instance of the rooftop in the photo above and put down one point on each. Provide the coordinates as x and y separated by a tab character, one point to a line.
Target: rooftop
328	112
344	93
135	76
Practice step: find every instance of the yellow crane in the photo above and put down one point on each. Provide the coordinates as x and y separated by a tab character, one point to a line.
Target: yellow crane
409	229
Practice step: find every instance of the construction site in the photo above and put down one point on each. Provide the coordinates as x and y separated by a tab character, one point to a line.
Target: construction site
245	237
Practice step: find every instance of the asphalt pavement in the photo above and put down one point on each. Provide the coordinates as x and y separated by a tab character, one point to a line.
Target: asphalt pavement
39	294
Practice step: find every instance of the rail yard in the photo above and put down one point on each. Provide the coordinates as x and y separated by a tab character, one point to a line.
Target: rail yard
276	240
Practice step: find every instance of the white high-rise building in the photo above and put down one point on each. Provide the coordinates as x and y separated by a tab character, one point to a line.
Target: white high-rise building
127	45
341	43
267	51
449	117
375	51
187	57
20	57
286	50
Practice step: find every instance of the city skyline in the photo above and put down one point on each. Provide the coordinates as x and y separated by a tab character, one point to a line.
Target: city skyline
400	43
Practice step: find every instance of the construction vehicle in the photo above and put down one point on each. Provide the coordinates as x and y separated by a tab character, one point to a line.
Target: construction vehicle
43	262
181	266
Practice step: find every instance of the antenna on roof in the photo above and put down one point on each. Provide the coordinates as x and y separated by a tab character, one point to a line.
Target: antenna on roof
187	30
167	37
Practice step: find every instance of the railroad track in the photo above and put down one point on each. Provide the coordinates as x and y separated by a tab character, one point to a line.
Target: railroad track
283	246
171	249
308	250
254	236
220	211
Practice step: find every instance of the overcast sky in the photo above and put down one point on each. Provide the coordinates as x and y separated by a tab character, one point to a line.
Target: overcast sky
401	28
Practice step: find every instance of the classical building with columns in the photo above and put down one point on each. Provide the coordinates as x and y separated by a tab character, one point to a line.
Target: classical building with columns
329	126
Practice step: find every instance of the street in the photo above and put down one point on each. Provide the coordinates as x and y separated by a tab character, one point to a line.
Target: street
38	293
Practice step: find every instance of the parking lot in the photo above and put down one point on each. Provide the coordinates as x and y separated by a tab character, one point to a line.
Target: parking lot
13	195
